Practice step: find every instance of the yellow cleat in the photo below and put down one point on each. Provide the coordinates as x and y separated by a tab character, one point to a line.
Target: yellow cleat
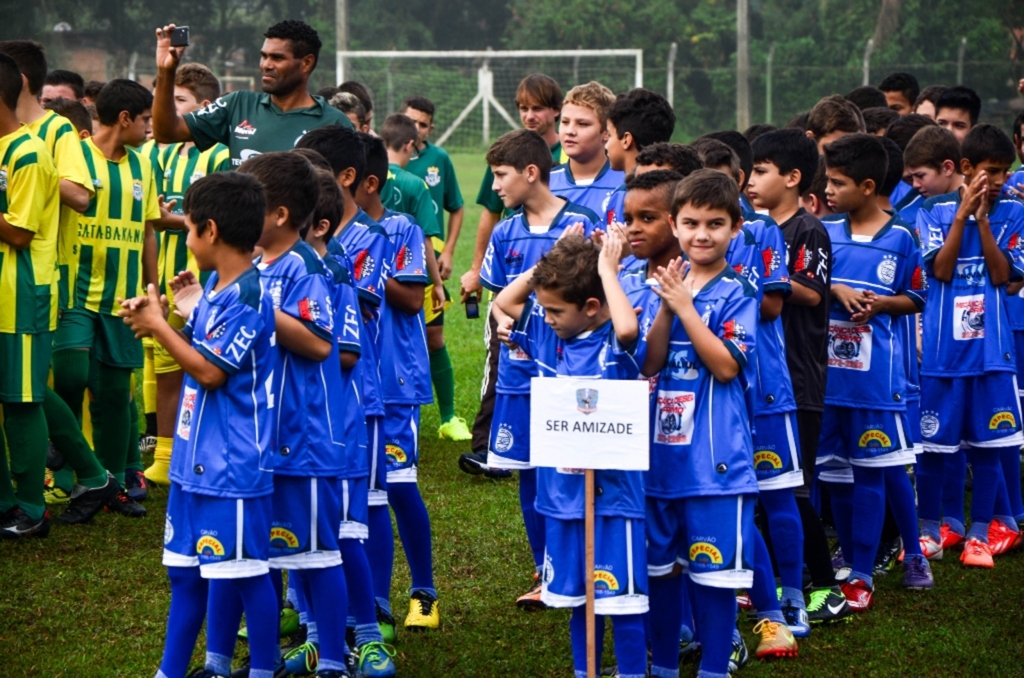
423	613
455	429
776	640
51	493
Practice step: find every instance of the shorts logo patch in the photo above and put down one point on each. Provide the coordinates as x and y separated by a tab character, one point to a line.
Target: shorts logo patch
548	571
605	581
283	538
168	530
874	439
1002	421
929	424
395	454
209	546
969	317
186	412
705	553
766	460
504	440
886	270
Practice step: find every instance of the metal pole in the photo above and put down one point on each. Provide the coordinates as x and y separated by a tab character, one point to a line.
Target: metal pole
768	85
341	31
868	48
960	61
389	99
485	85
670	75
588	549
576	69
742	64
638	80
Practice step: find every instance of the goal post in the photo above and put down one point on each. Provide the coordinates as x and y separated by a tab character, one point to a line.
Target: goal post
468	87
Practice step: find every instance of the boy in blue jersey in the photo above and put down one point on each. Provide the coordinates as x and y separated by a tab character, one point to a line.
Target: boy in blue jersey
972	249
636	120
574	320
521	164
957	109
1015	183
876	278
405	380
220	506
701	486
308	485
647	221
587	178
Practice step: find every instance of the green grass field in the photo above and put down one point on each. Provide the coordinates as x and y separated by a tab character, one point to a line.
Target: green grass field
91	601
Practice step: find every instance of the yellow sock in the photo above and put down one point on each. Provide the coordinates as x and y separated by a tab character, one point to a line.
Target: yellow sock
159	472
148	382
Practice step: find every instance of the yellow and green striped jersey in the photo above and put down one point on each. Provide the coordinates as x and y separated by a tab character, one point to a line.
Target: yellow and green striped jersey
152	150
112	231
61	138
179	172
29	199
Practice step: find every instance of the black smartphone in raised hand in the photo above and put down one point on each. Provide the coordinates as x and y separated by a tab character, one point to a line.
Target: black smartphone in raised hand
179	36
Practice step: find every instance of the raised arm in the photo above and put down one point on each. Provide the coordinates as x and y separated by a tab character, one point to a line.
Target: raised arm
168	126
624	321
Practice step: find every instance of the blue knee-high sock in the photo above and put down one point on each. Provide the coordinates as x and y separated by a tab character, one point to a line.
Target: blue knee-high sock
184	620
223	613
277	581
985	463
380	553
689	623
762	593
666	601
630	650
841	498
900	495
1009	459
929	473
261	617
578	636
715	609
953	489
533	521
787	534
328	601
359	582
869	507
414	530
302	595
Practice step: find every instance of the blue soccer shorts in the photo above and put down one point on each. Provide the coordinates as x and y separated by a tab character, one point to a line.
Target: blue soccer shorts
875	438
401	442
226	538
1018	343
914	423
509	447
981	411
710	537
378	480
306	521
777	451
355	508
620	568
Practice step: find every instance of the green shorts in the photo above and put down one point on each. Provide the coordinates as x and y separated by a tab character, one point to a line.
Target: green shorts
24	366
110	340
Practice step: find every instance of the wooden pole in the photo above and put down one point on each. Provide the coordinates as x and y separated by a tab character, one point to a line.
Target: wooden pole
589	538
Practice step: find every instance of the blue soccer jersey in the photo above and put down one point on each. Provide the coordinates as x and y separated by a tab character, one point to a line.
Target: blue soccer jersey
404	362
595	354
225	439
757	253
965	326
516	247
701	428
310	412
615	212
900	192
866	367
594	195
1015	180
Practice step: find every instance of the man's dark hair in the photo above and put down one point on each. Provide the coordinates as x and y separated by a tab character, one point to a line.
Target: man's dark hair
903	129
74	111
340	146
988	142
331	203
788	149
234	201
30	57
288	181
92	89
754	131
932	146
376	154
961	98
904	83
361	91
930	93
798	121
678	157
878	118
398	130
539	89
418	103
866	97
894	173
663	182
738	143
69	78
711	189
645	115
122	95
834	114
315	159
716	155
570	269
858	156
304	40
520	149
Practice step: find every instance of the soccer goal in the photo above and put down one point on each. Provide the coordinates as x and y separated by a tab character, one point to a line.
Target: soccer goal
468	88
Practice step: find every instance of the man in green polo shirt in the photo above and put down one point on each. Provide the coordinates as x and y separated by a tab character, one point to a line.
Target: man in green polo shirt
249	123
